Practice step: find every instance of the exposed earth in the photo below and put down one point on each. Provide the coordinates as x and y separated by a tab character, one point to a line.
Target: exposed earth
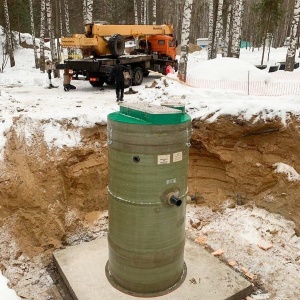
53	198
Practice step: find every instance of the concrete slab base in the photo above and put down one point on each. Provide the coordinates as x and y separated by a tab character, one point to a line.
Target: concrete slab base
82	268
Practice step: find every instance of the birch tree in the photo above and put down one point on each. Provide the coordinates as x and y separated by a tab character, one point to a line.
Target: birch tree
237	27
135	8
291	52
60	19
227	38
185	39
33	35
145	7
153	11
88	11
42	35
51	33
67	18
217	33
210	45
9	42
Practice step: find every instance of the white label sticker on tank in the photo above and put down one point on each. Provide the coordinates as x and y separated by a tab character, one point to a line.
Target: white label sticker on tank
177	156
170	181
163	159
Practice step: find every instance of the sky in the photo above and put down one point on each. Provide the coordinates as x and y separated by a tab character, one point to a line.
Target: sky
24	94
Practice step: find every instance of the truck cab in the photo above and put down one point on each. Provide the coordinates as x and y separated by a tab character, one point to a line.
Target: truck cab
163	45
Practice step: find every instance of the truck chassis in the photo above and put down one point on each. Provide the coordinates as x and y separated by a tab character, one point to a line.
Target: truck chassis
97	70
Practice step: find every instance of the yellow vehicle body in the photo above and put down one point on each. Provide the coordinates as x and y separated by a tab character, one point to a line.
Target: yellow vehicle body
128	30
103	39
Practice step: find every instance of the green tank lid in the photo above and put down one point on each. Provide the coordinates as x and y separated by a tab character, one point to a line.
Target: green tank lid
149	114
174	104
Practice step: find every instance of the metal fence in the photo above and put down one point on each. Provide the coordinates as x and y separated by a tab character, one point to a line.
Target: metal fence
283	83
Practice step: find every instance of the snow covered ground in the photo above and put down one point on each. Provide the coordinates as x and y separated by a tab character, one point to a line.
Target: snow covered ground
24	94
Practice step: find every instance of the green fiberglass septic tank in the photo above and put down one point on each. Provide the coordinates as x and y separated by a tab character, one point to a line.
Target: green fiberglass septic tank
148	163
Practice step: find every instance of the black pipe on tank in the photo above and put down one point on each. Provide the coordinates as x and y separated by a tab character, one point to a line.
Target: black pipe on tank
175	201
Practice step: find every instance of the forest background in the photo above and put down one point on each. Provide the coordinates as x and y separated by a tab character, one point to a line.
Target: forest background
167	12
224	22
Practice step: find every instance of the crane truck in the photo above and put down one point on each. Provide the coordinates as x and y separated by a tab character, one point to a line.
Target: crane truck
102	44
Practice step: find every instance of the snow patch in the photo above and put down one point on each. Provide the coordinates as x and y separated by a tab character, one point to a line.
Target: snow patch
228	68
288	170
6	292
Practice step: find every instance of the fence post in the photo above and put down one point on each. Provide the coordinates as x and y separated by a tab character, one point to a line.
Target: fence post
248	82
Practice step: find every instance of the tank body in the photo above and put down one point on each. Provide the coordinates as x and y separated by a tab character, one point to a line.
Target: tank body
148	163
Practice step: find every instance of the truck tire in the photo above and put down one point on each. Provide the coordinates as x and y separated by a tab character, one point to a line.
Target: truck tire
116	45
137	77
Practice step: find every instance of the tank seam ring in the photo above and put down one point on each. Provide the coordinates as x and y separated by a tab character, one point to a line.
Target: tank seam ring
135	203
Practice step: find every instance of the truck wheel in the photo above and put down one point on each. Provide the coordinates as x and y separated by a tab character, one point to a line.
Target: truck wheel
116	45
137	77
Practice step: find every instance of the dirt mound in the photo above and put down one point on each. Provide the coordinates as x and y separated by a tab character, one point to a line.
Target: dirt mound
192	48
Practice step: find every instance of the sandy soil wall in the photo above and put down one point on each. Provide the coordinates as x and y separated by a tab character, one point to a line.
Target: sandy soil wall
234	159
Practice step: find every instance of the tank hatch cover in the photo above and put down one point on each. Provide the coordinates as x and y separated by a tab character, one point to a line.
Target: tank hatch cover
147	113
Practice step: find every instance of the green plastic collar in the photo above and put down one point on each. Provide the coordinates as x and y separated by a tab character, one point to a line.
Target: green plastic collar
148	114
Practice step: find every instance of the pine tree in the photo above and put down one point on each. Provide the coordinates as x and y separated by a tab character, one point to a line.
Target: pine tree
185	39
269	13
291	52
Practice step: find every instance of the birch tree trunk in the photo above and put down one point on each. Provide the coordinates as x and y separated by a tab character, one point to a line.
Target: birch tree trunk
142	11
58	27
145	11
227	40
219	25
42	36
185	39
291	52
84	12
36	62
9	41
60	19
67	18
237	27
210	46
136	18
153	11
87	11
52	36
